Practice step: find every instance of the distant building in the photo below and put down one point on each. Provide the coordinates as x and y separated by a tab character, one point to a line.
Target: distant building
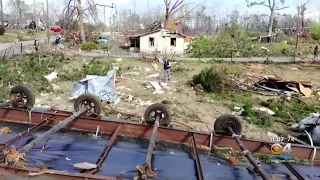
160	40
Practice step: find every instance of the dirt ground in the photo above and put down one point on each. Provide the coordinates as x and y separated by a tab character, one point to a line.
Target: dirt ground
197	111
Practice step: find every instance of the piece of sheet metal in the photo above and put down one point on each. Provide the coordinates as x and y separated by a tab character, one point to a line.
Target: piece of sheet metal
138	130
170	161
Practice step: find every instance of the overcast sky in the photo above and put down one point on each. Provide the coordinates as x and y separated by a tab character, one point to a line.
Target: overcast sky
218	7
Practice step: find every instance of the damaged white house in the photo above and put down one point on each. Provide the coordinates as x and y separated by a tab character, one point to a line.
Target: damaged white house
160	40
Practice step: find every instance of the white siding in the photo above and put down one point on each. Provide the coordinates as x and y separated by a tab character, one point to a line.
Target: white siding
162	44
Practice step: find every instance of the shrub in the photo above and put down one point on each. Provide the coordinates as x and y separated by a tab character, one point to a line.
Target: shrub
2	30
30	32
20	37
88	46
95	67
214	80
280	48
315	31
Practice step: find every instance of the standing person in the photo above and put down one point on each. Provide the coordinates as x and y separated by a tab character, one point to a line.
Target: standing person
57	42
36	44
166	67
316	51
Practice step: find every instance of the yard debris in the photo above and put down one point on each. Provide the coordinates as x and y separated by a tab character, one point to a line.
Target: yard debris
263	109
101	86
233	160
12	156
4	130
238	111
85	166
153	75
129	98
309	124
52	76
157	87
155	66
279	86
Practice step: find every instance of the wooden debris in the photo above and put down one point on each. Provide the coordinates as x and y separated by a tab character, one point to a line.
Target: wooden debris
85	166
4	130
12	156
233	160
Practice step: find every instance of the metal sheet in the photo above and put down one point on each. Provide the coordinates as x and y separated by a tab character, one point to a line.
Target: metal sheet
170	161
134	129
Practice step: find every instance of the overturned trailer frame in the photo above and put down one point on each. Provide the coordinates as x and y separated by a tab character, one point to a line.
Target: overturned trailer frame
226	133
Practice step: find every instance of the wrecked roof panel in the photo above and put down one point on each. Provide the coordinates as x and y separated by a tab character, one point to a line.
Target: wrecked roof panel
64	149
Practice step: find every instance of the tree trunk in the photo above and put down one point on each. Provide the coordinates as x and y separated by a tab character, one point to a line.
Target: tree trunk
167	16
271	18
2	18
80	11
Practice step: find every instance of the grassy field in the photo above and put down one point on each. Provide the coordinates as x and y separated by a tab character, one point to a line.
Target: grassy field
198	110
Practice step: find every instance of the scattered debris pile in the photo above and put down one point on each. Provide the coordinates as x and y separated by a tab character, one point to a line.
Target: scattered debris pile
280	86
307	129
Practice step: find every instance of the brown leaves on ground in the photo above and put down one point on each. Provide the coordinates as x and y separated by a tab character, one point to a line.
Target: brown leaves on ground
14	157
4	130
233	160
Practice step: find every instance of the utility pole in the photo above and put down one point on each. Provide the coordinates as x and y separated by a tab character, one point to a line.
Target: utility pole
2	18
47	19
35	15
104	11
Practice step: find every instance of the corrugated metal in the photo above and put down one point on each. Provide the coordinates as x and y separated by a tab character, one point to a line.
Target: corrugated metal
170	161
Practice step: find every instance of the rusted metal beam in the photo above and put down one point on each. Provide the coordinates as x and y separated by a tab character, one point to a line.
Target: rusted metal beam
133	129
36	173
53	130
249	156
29	131
196	157
105	152
145	171
7	103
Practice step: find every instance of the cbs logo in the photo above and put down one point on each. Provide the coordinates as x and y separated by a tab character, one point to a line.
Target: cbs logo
277	149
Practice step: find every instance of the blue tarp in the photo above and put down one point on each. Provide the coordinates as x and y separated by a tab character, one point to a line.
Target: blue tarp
101	86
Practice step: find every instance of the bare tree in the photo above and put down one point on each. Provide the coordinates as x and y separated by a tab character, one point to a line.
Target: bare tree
171	10
80	13
18	7
74	12
273	6
302	10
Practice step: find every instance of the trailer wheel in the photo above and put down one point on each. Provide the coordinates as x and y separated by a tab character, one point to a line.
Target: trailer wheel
223	122
155	110
89	101
24	95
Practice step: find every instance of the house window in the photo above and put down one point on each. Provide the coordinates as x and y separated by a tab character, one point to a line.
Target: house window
173	42
151	41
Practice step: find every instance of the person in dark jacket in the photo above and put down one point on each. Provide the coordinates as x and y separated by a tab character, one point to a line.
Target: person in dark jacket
316	49
36	44
166	67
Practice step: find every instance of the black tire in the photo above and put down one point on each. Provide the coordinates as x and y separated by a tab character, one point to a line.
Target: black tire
165	119
92	99
227	120
28	98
